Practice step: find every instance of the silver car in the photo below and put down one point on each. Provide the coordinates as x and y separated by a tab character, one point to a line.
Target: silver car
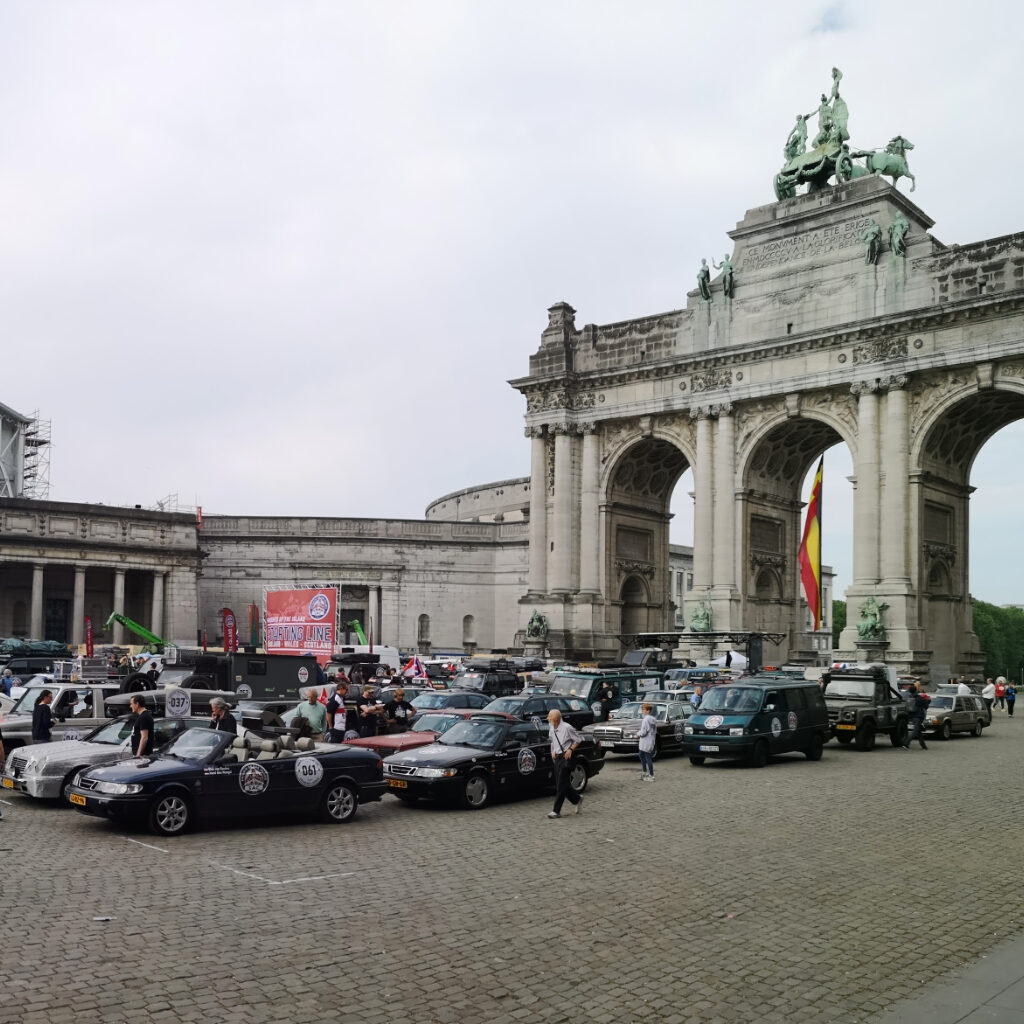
950	712
45	770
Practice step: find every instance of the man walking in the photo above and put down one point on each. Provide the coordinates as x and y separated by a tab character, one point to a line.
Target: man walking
917	714
142	730
564	741
1011	698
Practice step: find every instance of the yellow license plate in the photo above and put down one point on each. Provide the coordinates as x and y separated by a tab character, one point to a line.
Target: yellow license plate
76	799
398	784
846	727
9	783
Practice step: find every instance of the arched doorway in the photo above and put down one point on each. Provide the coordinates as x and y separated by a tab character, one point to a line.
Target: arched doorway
634	601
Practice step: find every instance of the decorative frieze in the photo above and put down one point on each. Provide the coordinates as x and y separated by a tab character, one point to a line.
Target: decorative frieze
880	350
711	380
629	567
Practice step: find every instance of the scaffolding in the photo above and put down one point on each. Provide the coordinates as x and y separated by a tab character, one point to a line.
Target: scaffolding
37	458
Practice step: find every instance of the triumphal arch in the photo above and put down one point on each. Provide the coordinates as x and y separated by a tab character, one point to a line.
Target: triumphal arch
838	318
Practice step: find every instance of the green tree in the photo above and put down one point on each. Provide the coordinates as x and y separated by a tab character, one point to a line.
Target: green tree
838	621
1000	632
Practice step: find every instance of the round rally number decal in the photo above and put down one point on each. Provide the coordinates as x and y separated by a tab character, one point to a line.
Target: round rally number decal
527	761
791	720
303	674
713	721
72	734
776	728
253	779
309	771
680	731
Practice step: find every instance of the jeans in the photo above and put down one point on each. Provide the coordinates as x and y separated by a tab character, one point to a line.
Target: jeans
562	787
916	732
647	761
1009	707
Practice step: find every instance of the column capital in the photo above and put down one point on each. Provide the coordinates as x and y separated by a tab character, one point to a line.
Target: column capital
722	409
865	387
895	382
699	412
587	427
536	431
561	428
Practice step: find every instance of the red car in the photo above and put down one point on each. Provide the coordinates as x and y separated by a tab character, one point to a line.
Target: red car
425	729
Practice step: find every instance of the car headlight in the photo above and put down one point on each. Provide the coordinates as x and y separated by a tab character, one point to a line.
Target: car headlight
687	730
77	780
435	773
736	730
32	765
118	788
932	721
848	716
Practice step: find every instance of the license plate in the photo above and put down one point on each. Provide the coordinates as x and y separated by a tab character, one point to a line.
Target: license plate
607	743
841	726
76	799
9	783
393	783
709	748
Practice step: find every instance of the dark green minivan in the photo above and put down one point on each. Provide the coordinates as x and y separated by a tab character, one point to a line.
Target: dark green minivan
754	718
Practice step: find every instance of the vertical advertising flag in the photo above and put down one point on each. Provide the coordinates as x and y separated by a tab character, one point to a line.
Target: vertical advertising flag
204	639
301	622
230	631
810	549
88	636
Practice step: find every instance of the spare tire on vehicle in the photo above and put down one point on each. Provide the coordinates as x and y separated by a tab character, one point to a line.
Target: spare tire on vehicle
137	682
197	681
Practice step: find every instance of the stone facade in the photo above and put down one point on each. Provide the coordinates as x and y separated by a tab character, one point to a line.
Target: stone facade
912	361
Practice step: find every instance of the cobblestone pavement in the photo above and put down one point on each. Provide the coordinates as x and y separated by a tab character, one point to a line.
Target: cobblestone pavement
800	892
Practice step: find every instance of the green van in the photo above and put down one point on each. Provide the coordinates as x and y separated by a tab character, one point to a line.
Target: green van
628	684
757	717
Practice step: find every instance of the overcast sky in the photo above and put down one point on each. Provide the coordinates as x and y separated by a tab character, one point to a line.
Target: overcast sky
281	258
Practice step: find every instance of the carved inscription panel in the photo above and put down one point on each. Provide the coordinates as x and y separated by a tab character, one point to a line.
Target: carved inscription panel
805	245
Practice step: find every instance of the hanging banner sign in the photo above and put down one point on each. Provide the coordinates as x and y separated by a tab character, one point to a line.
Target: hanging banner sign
301	622
88	636
230	631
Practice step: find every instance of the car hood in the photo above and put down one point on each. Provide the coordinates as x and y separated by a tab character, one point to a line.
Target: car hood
699	719
438	755
139	769
71	751
394	743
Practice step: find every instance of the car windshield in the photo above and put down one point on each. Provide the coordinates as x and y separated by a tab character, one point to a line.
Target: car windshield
27	701
114	733
468	681
636	710
486	735
428	700
174	676
508	705
861	688
733	699
435	723
940	703
571	686
195	744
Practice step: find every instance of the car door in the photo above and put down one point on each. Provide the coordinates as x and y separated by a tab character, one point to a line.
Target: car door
536	738
775	719
536	709
961	715
520	765
675	721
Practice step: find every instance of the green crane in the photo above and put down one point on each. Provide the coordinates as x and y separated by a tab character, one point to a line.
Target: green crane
134	627
354	624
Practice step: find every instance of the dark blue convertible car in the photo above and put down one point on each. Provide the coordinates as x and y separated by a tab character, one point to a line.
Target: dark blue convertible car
214	776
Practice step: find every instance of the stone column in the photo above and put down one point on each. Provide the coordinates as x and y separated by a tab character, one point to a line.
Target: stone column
865	496
119	604
590	556
35	624
538	578
157	624
561	556
895	497
703	511
725	503
378	612
78	607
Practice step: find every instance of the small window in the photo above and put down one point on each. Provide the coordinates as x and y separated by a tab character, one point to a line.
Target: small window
256	667
797	700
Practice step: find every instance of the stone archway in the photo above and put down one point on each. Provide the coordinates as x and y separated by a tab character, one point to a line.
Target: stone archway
634	600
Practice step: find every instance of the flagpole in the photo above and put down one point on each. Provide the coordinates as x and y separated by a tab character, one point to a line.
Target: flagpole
821	503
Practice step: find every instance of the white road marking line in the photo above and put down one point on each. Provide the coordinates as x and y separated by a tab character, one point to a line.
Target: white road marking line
146	845
244	874
285	881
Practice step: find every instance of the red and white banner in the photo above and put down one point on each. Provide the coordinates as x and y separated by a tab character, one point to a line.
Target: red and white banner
230	631
88	636
301	622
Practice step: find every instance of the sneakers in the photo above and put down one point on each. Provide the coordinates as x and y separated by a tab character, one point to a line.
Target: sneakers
579	806
555	814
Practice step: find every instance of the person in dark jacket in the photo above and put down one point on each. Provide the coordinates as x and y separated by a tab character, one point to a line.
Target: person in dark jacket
220	718
42	717
917	713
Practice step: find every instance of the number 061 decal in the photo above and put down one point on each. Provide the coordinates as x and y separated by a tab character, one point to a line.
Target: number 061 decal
309	771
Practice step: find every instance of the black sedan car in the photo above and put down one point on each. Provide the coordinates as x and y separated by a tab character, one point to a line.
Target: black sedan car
487	755
438	700
210	775
534	707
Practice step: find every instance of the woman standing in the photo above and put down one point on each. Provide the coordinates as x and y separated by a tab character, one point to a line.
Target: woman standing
647	736
42	717
1011	698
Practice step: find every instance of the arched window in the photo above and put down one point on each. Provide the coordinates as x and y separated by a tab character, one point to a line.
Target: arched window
468	632
423	629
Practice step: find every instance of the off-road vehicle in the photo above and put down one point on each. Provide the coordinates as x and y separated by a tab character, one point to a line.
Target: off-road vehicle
863	703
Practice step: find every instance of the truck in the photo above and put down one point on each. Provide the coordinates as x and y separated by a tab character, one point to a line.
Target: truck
252	676
863	702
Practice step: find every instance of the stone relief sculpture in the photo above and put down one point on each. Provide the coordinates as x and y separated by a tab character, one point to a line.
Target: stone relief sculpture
869	625
872	238
898	231
700	620
537	627
726	267
704	280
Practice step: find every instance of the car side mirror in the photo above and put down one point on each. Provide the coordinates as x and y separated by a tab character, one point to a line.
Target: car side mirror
769	707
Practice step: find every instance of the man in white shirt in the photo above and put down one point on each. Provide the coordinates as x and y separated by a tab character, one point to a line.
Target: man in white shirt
963	690
564	741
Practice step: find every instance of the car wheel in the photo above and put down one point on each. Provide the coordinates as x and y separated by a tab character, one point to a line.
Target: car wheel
476	792
978	728
898	736
196	682
865	736
758	756
578	776
170	814
65	786
696	759
815	750
339	804
137	682
947	730
843	738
